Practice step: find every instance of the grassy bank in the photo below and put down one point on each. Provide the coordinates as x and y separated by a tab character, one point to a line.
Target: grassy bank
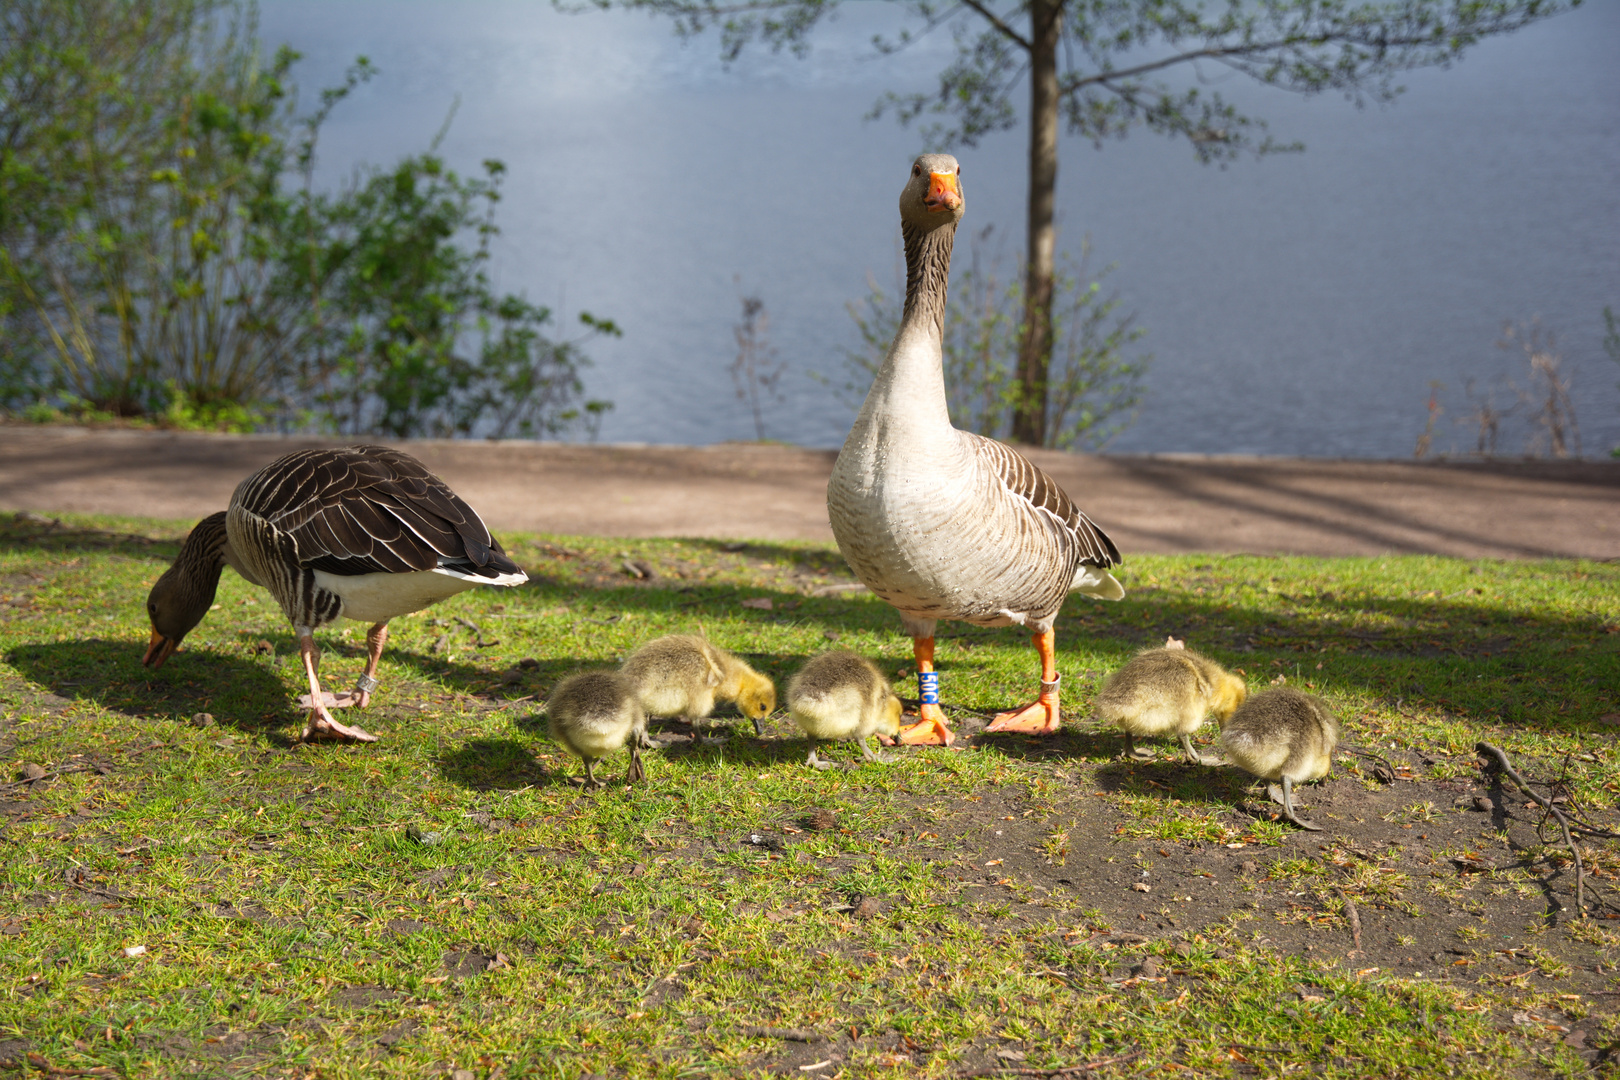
449	899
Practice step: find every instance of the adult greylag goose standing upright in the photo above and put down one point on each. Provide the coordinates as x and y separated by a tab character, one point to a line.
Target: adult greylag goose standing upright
355	532
945	524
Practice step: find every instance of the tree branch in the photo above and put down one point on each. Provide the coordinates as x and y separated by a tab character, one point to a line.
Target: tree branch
995	20
1245	49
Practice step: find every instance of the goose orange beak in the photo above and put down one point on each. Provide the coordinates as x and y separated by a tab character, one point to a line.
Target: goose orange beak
943	192
158	650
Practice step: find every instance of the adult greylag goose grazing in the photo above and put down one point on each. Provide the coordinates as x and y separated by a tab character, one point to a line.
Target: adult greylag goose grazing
945	524
355	532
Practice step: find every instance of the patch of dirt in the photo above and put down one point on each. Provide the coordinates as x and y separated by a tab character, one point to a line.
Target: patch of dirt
398	1033
361	997
461	964
1435	888
217	1042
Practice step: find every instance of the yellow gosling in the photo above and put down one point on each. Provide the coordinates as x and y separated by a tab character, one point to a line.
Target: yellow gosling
1168	691
1282	734
839	696
683	675
594	714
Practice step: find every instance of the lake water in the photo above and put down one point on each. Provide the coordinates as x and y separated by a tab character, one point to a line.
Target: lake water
1300	304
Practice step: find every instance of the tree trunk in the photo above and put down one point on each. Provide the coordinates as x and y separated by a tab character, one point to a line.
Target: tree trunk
1035	347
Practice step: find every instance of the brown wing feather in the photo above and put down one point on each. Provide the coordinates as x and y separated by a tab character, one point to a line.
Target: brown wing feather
1029	483
370	509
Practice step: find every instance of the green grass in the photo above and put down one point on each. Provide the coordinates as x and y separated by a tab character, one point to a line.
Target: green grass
289	916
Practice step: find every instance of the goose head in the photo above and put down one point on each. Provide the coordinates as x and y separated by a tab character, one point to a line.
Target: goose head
175	605
185	592
933	195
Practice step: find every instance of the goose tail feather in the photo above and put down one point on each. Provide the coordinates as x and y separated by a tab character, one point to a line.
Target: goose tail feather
1097	583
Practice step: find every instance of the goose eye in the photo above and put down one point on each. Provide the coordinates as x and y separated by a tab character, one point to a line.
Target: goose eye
916	170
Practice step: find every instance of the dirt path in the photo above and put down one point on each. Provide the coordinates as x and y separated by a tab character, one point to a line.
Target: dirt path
1162	504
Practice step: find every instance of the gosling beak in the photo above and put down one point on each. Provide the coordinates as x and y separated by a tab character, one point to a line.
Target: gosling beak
158	650
943	193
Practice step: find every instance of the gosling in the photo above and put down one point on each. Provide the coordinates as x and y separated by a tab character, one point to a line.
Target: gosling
593	714
1168	691
683	675
1285	735
839	696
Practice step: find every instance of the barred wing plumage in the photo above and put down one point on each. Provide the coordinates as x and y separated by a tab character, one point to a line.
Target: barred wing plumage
370	509
1042	493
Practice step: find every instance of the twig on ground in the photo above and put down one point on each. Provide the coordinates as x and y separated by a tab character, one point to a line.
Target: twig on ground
27	780
1387	775
1581	825
1569	841
1354	917
1065	1070
804	1035
913	704
1562	793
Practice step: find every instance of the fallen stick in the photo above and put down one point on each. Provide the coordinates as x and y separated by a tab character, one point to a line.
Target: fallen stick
1387	774
29	780
1580	869
804	1035
1353	916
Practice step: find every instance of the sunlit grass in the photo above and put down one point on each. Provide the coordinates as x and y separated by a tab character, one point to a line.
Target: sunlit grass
288	913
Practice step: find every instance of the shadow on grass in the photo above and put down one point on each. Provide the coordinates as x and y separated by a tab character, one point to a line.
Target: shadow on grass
237	692
22	534
496	765
1178	780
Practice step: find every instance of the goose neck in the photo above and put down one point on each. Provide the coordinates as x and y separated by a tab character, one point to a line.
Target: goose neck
910	388
928	271
201	560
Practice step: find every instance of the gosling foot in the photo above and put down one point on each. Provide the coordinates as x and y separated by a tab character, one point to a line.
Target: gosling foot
1195	757
1284	797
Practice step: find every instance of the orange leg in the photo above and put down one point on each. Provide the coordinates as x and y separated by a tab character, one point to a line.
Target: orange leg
930	727
1039	717
320	721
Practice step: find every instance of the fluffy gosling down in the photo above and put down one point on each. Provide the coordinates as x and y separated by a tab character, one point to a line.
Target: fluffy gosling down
839	696
682	675
1168	691
1285	735
595	713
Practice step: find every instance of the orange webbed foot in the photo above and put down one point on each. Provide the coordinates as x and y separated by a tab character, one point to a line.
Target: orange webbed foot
929	730
1036	718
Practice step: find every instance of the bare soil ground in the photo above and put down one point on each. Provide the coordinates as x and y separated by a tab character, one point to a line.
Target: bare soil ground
1160	504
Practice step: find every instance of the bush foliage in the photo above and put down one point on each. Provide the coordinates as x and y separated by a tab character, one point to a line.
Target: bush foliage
164	253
